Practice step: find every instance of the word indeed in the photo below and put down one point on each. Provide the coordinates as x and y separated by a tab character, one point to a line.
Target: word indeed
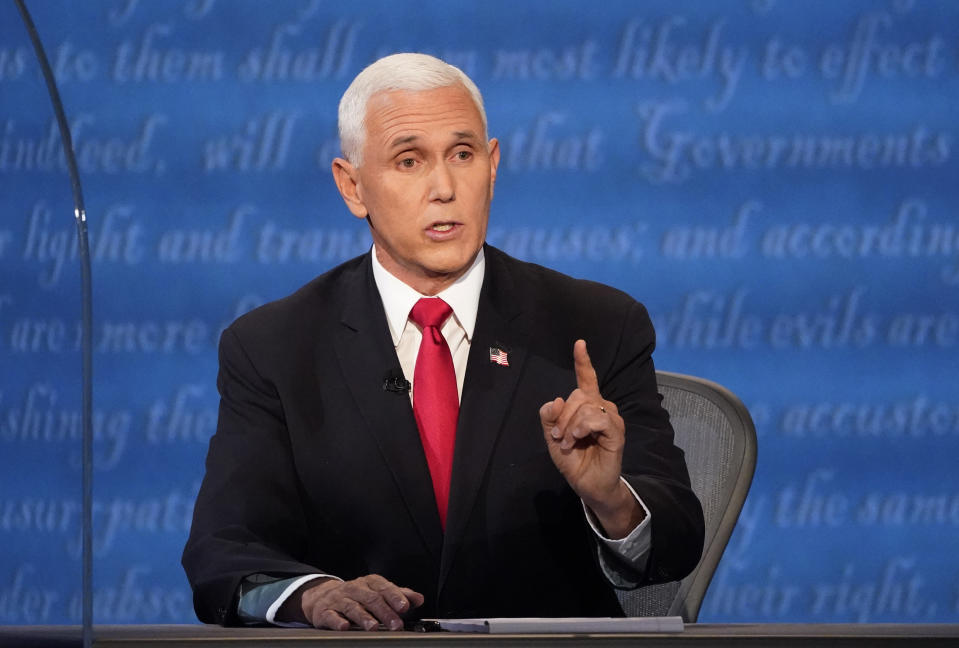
109	155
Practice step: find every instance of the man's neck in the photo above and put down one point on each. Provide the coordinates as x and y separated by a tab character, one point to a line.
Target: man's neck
427	285
398	297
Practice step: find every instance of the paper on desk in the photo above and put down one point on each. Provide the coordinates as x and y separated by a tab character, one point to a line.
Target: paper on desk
562	625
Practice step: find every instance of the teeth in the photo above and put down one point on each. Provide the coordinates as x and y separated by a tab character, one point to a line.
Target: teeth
445	227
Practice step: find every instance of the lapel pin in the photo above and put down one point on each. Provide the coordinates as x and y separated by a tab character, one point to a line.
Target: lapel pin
499	356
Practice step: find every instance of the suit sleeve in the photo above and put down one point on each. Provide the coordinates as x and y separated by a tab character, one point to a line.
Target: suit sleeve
248	518
652	464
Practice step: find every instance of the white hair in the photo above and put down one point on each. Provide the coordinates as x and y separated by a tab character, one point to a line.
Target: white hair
407	71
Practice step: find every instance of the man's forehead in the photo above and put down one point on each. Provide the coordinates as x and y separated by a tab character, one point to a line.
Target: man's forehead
404	139
452	100
396	117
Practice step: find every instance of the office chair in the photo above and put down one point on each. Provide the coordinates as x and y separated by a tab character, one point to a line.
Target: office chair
717	434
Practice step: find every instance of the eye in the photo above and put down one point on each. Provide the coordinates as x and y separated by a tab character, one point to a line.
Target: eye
464	155
408	163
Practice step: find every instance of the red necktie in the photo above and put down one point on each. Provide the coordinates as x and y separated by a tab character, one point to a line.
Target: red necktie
435	401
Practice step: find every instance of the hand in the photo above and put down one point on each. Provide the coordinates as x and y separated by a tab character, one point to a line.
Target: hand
585	435
367	602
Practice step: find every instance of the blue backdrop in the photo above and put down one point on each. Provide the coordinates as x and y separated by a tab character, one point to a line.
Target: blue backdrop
775	180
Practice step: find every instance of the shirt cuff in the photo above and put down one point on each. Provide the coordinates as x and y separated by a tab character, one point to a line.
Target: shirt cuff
631	553
261	603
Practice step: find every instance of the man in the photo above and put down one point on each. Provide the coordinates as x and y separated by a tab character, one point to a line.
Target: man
521	476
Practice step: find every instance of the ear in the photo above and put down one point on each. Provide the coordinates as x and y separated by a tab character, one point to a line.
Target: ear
346	177
493	163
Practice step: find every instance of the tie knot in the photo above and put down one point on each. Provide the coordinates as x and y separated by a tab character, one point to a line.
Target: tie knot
430	311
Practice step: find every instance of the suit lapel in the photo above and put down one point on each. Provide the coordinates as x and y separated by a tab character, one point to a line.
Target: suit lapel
487	396
366	357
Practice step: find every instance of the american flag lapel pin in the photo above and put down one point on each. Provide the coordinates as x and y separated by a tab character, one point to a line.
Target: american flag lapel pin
499	356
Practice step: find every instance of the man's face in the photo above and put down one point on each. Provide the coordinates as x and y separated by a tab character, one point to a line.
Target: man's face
426	182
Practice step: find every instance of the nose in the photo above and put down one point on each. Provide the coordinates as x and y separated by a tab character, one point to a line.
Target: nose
442	183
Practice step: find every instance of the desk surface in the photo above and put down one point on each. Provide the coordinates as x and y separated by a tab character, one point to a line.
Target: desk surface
703	635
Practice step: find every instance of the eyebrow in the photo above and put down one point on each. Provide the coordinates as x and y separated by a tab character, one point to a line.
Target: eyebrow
400	141
465	134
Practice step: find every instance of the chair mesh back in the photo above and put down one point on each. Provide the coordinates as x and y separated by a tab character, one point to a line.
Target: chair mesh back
714	448
705	435
649	601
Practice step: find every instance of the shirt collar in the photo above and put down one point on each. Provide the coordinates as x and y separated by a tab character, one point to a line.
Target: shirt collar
399	298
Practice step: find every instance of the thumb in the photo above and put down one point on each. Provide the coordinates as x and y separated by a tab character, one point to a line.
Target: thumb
549	413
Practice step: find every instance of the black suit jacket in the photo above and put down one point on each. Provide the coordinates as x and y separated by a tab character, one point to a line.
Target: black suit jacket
316	467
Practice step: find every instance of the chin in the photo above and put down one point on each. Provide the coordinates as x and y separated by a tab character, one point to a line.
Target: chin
446	270
461	264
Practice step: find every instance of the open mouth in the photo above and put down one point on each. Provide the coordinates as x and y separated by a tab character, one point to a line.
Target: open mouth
442	227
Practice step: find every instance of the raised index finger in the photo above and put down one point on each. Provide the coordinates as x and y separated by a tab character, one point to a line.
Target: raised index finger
586	378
